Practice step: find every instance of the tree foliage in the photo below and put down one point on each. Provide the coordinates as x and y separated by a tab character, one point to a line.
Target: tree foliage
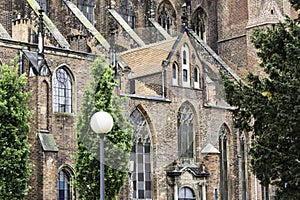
100	96
14	129
273	103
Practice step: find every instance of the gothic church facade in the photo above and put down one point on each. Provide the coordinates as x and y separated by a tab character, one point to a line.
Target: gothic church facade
167	55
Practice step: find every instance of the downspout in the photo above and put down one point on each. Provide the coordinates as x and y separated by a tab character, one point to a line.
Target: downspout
21	62
164	65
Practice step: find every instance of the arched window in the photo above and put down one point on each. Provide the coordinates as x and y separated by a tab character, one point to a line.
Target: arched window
196	78
164	18
127	12
62	91
186	193
184	57
185	66
198	23
64	189
87	8
224	172
175	74
186	129
140	162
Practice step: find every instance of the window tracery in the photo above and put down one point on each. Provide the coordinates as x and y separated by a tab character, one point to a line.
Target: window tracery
127	12
199	22
164	19
140	157
186	129
62	91
64	181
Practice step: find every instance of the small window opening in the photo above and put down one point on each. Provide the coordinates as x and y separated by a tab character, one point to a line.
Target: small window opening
185	75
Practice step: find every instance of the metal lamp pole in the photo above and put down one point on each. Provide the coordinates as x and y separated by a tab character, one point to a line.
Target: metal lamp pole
101	123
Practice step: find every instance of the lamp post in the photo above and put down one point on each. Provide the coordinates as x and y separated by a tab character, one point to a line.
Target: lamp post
101	123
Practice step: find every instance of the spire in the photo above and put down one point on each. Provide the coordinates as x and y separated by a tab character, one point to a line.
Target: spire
41	35
112	48
186	12
43	69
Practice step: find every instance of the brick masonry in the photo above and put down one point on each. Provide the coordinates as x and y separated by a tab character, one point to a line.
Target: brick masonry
229	26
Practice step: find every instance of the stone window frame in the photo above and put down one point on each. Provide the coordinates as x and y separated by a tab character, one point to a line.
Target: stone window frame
196	77
186	120
69	173
140	157
67	92
186	197
175	74
185	62
166	16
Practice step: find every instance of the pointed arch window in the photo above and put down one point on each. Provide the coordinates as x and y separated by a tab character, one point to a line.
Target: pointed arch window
186	193
224	173
87	8
140	157
62	90
186	129
175	74
185	66
127	12
198	23
196	78
64	182
164	18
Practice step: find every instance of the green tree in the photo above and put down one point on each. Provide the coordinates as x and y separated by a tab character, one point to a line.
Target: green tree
270	107
100	96
14	129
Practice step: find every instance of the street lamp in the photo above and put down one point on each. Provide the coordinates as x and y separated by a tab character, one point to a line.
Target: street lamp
101	123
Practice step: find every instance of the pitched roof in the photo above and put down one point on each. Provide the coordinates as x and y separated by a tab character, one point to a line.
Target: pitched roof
148	60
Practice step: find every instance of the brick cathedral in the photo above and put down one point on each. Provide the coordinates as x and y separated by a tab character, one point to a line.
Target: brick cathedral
167	55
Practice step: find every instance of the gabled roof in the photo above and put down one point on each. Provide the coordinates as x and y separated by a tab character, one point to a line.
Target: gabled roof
210	54
88	25
37	69
148	59
61	40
